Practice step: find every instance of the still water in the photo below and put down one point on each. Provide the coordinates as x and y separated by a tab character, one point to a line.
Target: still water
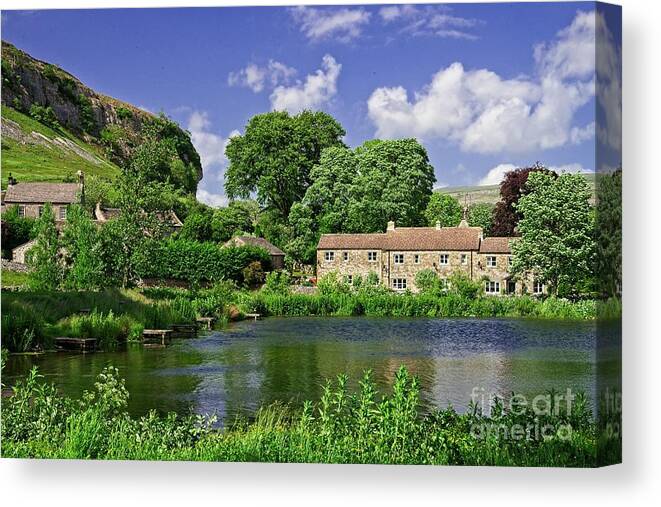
235	371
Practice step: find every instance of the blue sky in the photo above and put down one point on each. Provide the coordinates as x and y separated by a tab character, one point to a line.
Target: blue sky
484	87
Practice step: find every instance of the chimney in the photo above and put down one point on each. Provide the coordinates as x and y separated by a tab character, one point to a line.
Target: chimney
438	225
391	225
81	185
464	220
11	181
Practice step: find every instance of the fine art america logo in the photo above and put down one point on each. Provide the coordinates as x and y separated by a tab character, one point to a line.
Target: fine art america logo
543	406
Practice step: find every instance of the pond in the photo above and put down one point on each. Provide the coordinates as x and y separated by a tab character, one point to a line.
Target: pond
252	363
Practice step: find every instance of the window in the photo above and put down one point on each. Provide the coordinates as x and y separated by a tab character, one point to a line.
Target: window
416	258
492	287
511	287
444	259
491	261
21	211
345	256
399	283
329	256
464	259
509	260
40	210
371	256
348	279
398	258
62	213
538	288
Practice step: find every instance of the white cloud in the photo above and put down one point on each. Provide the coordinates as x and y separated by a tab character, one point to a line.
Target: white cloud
609	91
342	25
429	21
211	148
255	77
495	175
317	89
485	113
574	168
581	134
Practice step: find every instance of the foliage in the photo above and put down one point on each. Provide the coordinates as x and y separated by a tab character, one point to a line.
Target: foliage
360	191
123	113
462	285
238	217
16	230
505	215
194	261
331	284
344	426
557	232
22	327
44	257
86	112
253	274
82	246
197	225
275	155
277	282
428	281
443	209
45	115
609	232
108	329
479	215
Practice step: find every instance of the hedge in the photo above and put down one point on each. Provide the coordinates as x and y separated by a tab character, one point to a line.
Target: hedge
194	261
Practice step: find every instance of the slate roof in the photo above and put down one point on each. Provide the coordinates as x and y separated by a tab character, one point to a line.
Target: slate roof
496	245
260	242
407	238
38	193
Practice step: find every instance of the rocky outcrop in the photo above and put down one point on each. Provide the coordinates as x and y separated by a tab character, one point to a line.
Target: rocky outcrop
95	118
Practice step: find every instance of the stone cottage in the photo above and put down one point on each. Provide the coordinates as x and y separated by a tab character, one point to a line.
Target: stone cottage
397	255
32	197
277	255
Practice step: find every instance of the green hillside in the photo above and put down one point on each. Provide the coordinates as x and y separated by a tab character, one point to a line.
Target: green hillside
490	194
32	151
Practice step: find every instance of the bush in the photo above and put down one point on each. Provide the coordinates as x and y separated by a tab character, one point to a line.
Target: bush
253	274
277	282
44	115
195	262
462	285
428	281
330	284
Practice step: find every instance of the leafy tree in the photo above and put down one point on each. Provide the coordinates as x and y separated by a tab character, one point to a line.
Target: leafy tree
609	232
479	215
277	282
557	232
16	230
275	155
44	115
505	216
43	258
253	274
443	208
198	224
239	217
360	191
83	256
428	281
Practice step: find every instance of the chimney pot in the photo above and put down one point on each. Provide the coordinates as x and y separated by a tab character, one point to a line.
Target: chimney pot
438	225
391	225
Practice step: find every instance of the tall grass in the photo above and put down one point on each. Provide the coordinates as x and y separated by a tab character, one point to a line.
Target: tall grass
108	329
343	427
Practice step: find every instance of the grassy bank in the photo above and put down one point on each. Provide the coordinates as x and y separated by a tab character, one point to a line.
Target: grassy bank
343	427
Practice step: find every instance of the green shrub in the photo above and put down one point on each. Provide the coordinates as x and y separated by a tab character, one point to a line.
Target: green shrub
277	282
44	115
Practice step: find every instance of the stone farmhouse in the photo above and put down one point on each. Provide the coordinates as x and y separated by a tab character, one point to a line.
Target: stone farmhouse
397	255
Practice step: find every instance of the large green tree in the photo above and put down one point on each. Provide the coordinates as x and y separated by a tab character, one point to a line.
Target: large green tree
557	232
44	257
444	209
360	191
479	215
275	155
609	232
83	255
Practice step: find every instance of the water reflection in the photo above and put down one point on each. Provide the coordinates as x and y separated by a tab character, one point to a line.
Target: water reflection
235	371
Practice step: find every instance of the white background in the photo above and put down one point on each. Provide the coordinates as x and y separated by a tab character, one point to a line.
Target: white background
637	481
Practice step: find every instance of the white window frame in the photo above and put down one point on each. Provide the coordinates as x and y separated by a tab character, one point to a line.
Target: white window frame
62	213
21	211
464	259
416	258
491	264
444	257
399	283
371	256
329	256
345	256
491	287
397	256
537	288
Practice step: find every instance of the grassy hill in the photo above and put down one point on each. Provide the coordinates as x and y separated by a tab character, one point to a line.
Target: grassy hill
490	194
54	125
32	151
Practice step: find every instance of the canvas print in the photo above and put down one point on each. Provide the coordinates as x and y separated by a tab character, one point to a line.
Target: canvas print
385	234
